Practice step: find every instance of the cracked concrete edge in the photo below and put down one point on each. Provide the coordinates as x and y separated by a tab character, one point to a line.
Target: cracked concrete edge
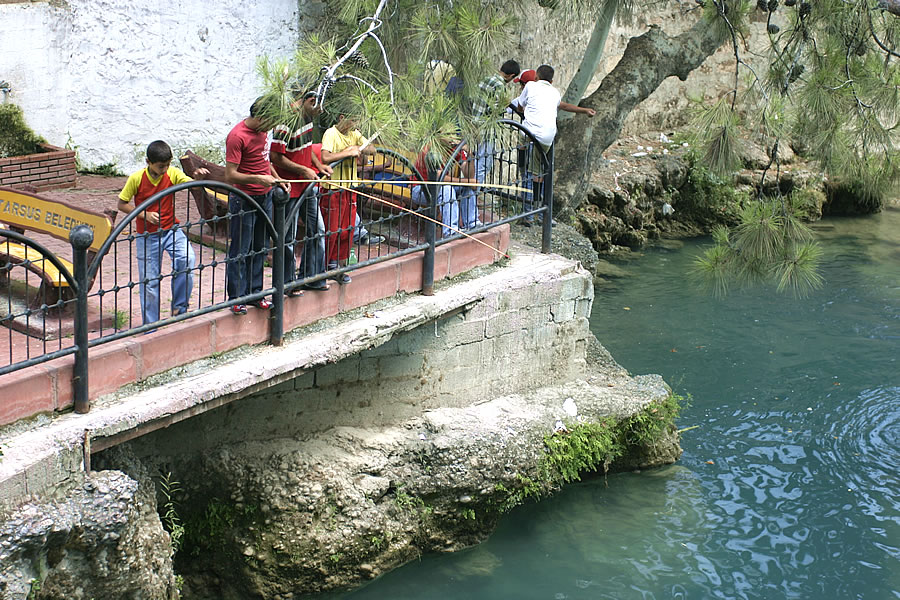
50	456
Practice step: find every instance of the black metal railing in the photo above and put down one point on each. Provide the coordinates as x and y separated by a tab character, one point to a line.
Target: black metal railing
389	213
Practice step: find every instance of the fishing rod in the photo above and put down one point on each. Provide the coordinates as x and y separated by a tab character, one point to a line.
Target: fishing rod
337	184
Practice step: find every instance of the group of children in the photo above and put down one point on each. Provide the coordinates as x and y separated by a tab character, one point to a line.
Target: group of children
257	163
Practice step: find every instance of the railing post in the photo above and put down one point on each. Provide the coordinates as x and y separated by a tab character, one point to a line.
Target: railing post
81	238
276	327
547	193
430	236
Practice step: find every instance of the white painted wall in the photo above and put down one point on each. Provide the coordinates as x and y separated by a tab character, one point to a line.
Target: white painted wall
110	76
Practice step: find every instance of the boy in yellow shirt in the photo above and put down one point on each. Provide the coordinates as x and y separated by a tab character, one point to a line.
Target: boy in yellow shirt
158	231
345	143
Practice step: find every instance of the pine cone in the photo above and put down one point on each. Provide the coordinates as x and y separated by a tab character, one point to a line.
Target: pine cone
773	4
790	2
358	59
805	9
762	4
773	28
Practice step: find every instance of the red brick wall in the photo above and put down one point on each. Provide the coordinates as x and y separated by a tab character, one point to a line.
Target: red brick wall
54	168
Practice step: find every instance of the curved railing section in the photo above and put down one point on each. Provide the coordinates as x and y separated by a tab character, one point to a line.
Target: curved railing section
28	308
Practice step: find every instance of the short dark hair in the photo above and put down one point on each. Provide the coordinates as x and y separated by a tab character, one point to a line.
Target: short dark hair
158	152
545	73
510	67
262	104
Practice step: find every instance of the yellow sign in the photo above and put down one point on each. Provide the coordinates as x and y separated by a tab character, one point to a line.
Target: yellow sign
55	218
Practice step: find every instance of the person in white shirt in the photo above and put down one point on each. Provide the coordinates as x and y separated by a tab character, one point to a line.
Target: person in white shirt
539	104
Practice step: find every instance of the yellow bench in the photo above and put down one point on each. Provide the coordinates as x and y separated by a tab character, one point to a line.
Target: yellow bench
383	163
22	211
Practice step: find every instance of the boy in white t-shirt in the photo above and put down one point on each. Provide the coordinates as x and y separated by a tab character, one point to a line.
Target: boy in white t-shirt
539	104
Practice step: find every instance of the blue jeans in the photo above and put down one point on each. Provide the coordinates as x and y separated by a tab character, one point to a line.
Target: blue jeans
150	247
312	260
484	157
467	206
447	203
247	246
449	206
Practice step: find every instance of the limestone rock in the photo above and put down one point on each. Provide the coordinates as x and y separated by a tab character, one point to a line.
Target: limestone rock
103	540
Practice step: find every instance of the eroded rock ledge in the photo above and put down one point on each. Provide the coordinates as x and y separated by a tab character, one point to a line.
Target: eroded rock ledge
332	511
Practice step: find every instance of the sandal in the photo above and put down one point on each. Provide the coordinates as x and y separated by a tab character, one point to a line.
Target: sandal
239	309
343	279
263	304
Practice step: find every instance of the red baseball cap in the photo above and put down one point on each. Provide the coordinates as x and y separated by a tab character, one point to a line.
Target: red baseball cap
526	76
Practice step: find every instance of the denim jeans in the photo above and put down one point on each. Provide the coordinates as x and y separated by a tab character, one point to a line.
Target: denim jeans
484	166
150	247
523	161
484	157
312	260
468	207
447	203
247	246
449	206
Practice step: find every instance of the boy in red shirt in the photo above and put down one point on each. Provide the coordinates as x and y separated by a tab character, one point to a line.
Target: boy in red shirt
158	231
247	168
293	157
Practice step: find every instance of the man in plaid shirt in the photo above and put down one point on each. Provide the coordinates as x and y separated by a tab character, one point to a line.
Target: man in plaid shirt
491	98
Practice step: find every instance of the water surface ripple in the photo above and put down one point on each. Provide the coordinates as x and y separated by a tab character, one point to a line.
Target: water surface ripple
789	485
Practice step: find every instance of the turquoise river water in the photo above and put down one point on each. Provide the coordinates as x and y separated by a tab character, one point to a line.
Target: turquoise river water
789	486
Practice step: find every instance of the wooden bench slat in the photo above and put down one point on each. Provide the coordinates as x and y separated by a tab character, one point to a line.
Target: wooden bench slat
20	253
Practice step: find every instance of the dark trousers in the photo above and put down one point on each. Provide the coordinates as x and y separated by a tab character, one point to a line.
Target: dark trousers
247	246
312	260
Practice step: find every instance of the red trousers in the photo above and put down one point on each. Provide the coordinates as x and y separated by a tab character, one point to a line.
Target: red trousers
339	213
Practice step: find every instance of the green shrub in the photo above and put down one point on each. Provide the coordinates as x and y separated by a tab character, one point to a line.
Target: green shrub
16	138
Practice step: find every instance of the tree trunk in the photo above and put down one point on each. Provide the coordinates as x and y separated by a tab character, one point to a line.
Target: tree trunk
648	60
592	55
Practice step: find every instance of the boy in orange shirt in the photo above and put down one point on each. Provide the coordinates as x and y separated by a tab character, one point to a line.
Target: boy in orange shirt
158	231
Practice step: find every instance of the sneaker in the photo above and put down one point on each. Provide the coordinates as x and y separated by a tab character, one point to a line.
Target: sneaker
293	293
371	240
239	309
263	304
343	279
318	286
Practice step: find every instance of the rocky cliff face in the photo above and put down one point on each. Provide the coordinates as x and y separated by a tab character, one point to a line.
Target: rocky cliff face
103	540
268	520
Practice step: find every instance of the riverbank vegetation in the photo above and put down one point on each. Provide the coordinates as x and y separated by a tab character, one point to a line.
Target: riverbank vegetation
580	448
